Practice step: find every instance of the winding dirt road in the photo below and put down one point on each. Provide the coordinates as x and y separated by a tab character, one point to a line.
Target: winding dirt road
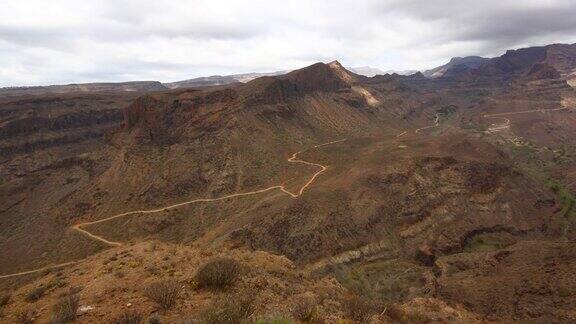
78	227
499	127
436	124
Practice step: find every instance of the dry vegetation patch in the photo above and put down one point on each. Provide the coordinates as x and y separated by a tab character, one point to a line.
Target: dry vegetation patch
164	293
129	317
218	273
359	308
64	311
230	308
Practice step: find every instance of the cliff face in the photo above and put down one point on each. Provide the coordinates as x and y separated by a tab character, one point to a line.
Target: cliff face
514	63
33	123
541	71
563	58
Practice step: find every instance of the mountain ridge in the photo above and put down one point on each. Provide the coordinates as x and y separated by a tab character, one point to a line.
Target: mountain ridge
444	196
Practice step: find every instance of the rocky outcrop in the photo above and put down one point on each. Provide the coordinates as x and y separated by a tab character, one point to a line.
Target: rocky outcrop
318	77
542	71
30	125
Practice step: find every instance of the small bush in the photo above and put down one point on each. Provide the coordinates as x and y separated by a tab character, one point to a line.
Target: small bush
4	299
276	319
164	293
154	320
128	317
64	311
26	316
218	273
305	309
36	294
229	309
359	308
564	292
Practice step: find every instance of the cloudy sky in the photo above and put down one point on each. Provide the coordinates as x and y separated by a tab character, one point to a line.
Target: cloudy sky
64	41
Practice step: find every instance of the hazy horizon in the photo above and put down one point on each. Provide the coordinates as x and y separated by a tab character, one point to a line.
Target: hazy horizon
62	42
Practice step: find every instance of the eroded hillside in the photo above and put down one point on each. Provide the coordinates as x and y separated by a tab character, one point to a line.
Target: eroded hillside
391	198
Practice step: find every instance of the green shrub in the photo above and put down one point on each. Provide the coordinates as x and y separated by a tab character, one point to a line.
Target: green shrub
164	293
218	273
64	311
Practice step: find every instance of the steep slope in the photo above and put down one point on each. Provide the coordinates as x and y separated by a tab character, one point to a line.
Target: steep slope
519	62
456	63
173	145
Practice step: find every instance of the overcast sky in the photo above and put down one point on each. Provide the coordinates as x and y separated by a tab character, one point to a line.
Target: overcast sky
65	41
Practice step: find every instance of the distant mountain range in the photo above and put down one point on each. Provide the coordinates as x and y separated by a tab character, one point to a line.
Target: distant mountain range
371	71
132	86
455	66
455	62
217	80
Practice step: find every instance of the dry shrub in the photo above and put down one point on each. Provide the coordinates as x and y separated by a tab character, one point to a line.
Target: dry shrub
305	309
4	299
26	316
229	309
398	315
359	308
128	317
164	293
36	294
218	273
64	311
276	319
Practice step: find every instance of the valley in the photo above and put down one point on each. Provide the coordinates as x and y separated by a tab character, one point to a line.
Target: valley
414	198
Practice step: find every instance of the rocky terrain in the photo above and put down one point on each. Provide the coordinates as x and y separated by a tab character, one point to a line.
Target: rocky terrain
319	195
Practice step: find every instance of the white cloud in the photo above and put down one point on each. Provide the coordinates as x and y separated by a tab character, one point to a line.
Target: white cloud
63	41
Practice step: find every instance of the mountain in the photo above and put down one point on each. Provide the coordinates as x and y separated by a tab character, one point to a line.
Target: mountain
217	80
133	86
367	71
402	72
371	71
319	193
455	63
513	63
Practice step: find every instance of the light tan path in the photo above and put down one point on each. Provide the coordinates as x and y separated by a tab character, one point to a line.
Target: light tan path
500	127
436	124
401	134
78	227
61	265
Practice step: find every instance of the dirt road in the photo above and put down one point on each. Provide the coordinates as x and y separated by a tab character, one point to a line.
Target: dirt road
78	227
